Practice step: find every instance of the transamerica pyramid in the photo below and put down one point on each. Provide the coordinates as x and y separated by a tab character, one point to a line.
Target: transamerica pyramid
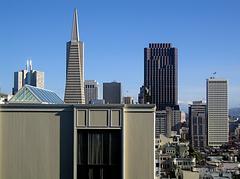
74	88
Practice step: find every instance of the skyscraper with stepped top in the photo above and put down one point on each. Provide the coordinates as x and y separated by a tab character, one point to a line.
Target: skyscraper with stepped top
161	75
74	88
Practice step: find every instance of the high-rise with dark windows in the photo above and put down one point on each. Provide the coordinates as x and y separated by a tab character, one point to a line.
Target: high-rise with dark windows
198	125
112	93
74	89
161	75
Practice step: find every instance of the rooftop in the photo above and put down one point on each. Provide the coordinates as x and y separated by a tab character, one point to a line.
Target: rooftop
34	95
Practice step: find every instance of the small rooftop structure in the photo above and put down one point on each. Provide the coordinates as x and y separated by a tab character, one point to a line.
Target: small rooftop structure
4	98
3	95
31	94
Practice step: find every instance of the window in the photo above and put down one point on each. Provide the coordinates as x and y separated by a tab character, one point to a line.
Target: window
99	154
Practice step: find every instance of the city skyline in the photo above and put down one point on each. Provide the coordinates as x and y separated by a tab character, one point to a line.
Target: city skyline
204	32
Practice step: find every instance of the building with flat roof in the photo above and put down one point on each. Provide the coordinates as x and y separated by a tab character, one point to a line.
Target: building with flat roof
97	101
161	75
4	98
112	93
217	111
91	90
198	125
128	100
167	122
77	141
29	77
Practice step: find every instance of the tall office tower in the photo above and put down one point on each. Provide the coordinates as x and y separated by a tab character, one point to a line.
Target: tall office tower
74	89
198	125
28	76
91	90
19	80
161	74
217	111
38	79
112	93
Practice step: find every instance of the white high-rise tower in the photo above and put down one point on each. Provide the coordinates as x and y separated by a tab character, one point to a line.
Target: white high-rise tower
217	111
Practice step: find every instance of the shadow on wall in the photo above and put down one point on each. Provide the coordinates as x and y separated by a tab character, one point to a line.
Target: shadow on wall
66	144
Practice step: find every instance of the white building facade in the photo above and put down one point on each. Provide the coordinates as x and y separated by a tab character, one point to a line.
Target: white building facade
217	111
91	90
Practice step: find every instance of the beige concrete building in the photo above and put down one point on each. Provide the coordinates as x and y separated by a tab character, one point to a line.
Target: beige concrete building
91	90
128	100
29	77
80	141
167	122
217	111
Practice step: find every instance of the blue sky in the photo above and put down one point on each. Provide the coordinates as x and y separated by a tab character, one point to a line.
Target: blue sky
206	33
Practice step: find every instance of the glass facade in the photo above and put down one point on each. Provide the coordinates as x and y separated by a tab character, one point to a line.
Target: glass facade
24	96
99	154
31	94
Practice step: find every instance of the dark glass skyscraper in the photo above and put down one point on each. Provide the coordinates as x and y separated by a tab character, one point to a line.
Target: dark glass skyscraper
112	93
74	90
161	75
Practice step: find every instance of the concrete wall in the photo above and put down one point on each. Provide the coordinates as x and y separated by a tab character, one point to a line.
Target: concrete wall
34	144
36	141
138	143
137	125
190	174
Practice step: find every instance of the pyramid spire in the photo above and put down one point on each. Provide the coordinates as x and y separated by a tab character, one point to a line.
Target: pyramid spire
75	34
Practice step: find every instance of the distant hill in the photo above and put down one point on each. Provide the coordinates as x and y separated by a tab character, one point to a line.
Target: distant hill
183	107
235	112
